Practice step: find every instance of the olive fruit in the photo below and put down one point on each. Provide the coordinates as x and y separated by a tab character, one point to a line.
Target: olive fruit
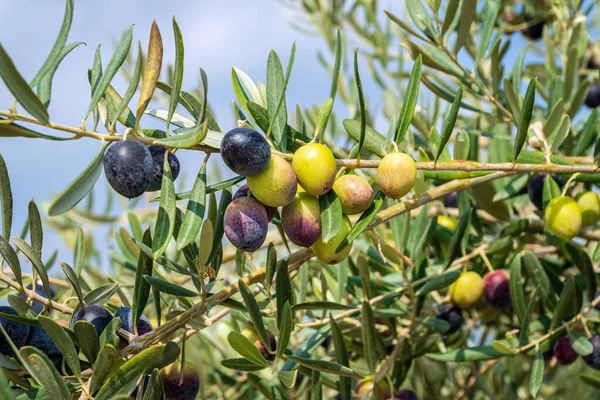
563	217
40	339
589	204
17	332
449	223
96	315
126	314
564	353
467	290
315	168
534	31
246	224
451	314
396	175
158	160
243	192
276	186
189	387
301	220
367	385
496	288
326	252
593	97
405	395
268	355
128	167
245	151
593	359
451	200
354	192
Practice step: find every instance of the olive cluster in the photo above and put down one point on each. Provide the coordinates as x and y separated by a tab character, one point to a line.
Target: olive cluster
273	182
131	168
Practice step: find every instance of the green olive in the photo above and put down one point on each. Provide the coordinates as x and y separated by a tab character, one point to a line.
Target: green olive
563	217
326	251
396	175
354	193
467	290
276	185
589	204
315	168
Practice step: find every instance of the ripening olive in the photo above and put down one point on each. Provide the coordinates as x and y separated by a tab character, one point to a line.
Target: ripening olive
589	204
467	290
396	175
243	192
563	217
177	389
315	168
354	193
564	353
497	288
326	252
276	186
301	220
245	224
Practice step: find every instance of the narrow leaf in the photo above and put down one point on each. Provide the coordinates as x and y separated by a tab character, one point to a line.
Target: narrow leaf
410	100
331	215
449	123
165	221
254	313
151	72
169	288
6	199
525	118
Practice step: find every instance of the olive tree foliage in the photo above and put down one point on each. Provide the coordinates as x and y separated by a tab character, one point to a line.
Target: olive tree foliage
480	106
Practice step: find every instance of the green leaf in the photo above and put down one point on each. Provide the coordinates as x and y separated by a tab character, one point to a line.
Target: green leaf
126	378
323	118
109	335
288	378
527	318
342	357
410	100
79	188
20	89
490	14
63	341
277	117
6	392
565	303
582	261
560	134
109	73
6	199
105	363
204	105
550	191
241	364
43	371
246	349
73	280
364	221
155	389
219	229
151	71
571	72
186	137
275	94
517	296
467	15
587	135
337	66
518	67
271	266
537	374
580	344
420	17
88	339
324	366
375	142
169	288
369	336
38	265
439	282
79	250
525	118
192	221
254	313
141	288
44	88
539	277
331	215
10	256
134	82
511	98
477	353
162	260
449	123
285	329
165	222
177	72
457	237
283	288
361	101
322	305
591	380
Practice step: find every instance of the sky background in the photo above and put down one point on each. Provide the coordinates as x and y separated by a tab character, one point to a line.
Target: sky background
217	36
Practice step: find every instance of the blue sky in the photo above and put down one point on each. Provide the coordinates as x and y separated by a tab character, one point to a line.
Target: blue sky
217	36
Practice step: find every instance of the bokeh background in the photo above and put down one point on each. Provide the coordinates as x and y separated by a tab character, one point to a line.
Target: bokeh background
217	36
